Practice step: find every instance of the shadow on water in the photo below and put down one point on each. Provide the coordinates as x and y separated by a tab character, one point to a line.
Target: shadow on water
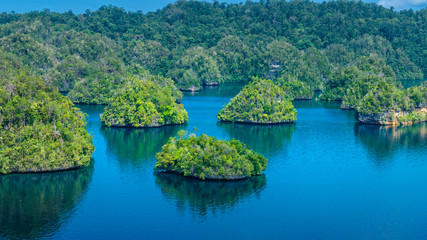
381	142
208	197
133	146
36	205
263	139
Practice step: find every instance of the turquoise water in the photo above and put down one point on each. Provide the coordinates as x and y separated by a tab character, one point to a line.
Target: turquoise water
328	178
412	83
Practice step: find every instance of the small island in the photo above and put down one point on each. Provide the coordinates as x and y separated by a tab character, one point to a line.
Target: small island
40	130
205	157
144	103
260	102
386	104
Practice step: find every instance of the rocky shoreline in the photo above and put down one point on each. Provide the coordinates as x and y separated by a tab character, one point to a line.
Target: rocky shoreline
392	118
211	83
345	107
209	178
52	170
190	89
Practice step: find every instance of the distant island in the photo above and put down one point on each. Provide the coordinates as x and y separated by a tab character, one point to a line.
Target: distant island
370	87
260	102
144	103
40	130
205	157
137	64
193	44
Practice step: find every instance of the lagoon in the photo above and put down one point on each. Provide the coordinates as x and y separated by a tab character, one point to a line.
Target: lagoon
328	177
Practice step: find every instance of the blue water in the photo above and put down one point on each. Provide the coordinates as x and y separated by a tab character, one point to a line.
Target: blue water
328	177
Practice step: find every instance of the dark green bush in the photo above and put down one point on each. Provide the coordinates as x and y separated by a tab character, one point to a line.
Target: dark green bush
206	157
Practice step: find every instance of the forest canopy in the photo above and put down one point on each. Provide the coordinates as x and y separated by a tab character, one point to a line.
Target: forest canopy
40	130
144	103
200	43
384	97
205	157
259	102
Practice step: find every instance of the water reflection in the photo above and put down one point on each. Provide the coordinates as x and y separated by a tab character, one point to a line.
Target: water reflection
263	139
204	197
412	83
382	142
36	205
316	104
132	146
223	90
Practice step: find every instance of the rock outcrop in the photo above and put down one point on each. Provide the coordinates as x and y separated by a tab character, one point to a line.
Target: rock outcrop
395	118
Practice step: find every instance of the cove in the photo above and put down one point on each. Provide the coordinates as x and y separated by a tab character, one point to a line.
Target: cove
328	177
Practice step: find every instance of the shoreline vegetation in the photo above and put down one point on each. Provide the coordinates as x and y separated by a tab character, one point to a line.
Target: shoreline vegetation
386	104
205	157
296	89
196	44
259	102
138	65
143	103
40	130
370	88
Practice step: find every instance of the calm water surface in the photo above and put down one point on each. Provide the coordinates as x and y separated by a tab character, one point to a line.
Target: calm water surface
328	178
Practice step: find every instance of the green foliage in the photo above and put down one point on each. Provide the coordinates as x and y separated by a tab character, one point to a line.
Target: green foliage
261	102
196	68
396	58
279	51
99	88
150	54
384	100
384	97
357	89
200	43
237	62
40	130
72	69
286	61
96	90
205	157
418	94
363	71
143	103
28	49
295	89
413	117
